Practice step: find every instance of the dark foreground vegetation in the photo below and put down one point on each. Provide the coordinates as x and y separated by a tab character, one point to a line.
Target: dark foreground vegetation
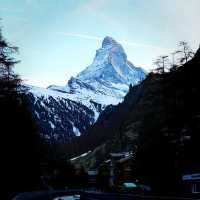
20	142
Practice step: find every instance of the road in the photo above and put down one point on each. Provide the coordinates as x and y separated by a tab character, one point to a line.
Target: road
83	195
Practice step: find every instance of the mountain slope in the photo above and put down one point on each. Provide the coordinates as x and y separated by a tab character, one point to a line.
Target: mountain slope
63	112
159	121
59	118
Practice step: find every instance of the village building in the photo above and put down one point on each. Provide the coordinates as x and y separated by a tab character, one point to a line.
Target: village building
191	183
92	178
121	168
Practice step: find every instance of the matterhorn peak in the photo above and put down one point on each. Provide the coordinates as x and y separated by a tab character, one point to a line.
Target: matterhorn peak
110	66
108	41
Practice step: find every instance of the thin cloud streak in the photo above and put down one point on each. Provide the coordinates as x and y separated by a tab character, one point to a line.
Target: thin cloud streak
89	37
124	42
135	44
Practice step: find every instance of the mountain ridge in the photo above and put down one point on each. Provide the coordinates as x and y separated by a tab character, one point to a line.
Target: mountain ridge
104	82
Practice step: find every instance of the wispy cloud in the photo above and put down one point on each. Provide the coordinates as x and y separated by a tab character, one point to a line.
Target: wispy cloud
77	35
123	42
135	44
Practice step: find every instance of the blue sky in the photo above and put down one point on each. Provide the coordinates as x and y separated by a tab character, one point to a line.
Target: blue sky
58	38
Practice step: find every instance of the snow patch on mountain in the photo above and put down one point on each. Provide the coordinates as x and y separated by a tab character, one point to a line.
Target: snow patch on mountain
76	131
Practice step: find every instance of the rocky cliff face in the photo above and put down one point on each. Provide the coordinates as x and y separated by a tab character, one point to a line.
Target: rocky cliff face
63	112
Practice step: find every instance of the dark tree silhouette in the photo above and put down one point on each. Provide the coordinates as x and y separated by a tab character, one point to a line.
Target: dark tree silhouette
187	52
8	79
161	64
20	143
174	64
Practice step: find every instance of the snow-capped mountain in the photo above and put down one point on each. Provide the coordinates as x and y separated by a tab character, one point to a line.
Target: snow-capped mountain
111	73
67	111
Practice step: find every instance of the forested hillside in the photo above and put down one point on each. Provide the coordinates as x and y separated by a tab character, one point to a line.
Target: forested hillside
159	122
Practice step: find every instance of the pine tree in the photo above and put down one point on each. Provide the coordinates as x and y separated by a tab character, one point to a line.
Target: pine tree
20	141
9	81
161	64
187	52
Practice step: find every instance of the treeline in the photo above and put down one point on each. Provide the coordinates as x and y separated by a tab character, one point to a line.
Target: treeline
169	134
169	63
